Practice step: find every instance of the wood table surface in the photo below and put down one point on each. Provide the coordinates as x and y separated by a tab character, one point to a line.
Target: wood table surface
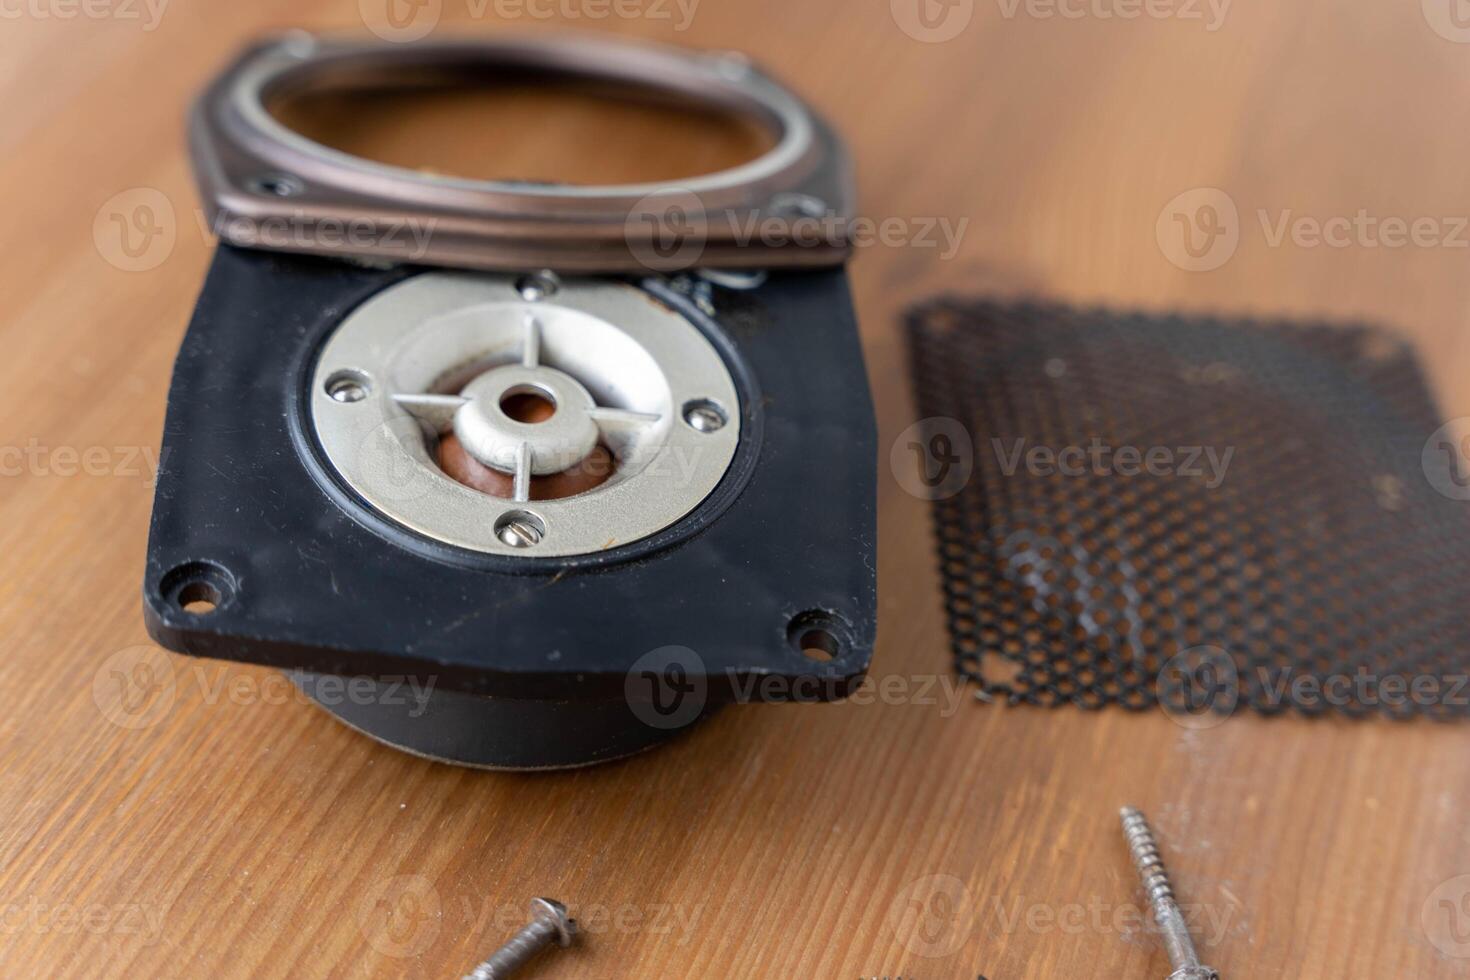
167	817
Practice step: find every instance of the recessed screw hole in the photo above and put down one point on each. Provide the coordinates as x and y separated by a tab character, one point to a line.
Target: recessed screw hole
538	286
819	645
348	386
279	185
199	598
704	415
817	635
799	206
198	588
520	529
737	279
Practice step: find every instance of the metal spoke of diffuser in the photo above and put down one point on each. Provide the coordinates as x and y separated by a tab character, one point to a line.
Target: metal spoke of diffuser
499	440
457	353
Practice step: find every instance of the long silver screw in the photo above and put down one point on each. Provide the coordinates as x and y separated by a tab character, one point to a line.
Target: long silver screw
1150	865
549	924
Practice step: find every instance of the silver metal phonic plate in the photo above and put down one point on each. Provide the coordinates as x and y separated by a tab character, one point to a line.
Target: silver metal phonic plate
438	353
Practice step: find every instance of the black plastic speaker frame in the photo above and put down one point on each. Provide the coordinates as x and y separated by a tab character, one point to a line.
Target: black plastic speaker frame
537	662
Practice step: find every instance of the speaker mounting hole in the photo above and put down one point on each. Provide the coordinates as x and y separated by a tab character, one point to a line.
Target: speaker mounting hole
817	635
199	588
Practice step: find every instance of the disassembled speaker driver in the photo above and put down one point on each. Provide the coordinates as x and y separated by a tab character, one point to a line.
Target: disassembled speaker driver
515	500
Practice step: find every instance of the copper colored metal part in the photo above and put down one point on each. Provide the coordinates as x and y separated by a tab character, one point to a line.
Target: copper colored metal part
589	474
266	186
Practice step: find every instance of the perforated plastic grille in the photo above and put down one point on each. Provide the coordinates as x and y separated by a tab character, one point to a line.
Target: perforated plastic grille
1282	547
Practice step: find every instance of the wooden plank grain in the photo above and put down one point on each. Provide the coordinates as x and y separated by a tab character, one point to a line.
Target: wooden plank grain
241	833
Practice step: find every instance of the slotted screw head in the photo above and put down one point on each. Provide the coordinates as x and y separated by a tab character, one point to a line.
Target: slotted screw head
550	910
549	925
519	531
704	416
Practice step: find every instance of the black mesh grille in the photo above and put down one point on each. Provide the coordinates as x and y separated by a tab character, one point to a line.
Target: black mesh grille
1280	540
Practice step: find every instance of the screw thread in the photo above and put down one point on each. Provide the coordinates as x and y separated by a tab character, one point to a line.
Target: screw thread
1146	857
517	952
1150	865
